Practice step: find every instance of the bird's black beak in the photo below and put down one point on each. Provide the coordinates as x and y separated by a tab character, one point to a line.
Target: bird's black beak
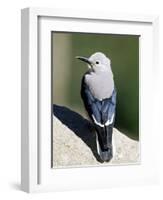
86	60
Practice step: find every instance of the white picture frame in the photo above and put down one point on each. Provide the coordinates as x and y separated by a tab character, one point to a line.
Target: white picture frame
36	171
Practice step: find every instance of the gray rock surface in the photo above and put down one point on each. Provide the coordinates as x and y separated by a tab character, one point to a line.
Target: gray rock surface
74	142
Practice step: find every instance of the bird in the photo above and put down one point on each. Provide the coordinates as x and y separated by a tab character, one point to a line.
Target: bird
98	93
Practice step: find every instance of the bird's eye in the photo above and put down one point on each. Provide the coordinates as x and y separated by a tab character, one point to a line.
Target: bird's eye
97	62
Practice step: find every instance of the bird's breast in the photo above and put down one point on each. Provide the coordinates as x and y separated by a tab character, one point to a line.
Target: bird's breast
101	85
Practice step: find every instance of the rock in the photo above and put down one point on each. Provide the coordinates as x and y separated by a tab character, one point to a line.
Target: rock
74	142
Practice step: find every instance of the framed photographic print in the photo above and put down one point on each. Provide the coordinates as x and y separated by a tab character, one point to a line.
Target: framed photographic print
88	111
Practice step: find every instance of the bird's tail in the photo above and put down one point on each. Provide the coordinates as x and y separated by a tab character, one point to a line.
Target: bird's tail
104	141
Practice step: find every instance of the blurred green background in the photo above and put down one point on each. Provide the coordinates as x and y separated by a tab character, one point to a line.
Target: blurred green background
123	50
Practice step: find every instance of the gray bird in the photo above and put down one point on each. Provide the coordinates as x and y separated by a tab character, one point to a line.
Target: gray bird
99	96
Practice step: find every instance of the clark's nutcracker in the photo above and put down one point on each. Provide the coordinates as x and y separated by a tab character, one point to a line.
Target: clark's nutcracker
99	96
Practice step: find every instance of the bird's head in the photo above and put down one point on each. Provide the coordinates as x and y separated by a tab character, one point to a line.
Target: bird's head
97	62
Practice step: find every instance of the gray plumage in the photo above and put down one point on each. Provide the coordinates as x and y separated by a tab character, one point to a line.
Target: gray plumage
100	78
99	96
97	83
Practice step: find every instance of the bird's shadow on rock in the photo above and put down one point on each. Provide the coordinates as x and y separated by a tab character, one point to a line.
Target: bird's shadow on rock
79	125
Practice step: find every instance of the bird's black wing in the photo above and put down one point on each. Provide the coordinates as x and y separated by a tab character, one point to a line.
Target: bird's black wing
99	111
108	108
